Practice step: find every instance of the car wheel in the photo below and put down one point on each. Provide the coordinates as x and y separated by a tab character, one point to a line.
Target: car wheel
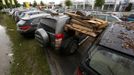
73	46
70	46
42	37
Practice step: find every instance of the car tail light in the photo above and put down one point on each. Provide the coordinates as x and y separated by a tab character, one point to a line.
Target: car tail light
58	40
26	27
79	72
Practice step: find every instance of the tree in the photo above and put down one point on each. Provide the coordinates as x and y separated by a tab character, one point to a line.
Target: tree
68	3
34	4
41	3
8	5
30	4
129	7
1	5
99	3
24	4
17	4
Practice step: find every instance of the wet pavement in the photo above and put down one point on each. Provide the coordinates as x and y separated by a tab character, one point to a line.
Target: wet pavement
5	52
66	65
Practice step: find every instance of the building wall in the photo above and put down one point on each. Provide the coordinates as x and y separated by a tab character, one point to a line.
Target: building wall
108	4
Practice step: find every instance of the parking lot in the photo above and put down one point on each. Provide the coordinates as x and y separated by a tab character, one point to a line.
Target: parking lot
35	42
29	53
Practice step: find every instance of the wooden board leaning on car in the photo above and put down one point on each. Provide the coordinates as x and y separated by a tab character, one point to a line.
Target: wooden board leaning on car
89	26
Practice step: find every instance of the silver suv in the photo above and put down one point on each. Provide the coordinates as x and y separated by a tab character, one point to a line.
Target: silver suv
51	32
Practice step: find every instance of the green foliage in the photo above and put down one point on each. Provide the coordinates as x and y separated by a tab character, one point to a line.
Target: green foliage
41	3
1	5
29	58
34	4
129	7
99	3
24	4
17	4
31	4
8	5
68	3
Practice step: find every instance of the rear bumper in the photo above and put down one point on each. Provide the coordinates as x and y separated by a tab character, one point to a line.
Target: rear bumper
32	30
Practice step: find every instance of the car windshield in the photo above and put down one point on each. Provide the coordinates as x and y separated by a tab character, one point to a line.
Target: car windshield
108	63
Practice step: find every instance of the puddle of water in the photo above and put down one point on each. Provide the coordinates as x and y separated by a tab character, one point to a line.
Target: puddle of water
5	50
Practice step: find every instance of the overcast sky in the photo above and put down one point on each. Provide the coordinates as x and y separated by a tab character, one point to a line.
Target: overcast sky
45	1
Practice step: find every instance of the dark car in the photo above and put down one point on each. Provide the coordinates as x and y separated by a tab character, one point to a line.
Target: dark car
111	54
131	17
29	24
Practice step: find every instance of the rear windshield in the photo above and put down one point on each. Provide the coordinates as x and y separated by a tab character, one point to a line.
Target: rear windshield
108	63
21	22
49	22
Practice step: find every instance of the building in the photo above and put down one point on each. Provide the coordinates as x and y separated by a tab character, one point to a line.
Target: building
111	5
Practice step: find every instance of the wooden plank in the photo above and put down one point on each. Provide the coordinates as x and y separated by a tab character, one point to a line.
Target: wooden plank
94	22
82	27
81	22
93	34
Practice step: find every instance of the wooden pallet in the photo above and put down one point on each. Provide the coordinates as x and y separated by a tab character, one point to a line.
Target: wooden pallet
91	27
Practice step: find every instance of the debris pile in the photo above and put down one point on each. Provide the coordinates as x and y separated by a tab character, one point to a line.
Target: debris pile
85	24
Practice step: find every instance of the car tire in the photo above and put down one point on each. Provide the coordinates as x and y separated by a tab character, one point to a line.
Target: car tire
42	37
70	46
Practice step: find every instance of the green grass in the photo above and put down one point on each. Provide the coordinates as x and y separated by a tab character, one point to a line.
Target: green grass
29	58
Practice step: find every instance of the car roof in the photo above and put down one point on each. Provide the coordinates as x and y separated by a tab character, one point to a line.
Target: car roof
35	16
32	11
110	15
118	38
58	17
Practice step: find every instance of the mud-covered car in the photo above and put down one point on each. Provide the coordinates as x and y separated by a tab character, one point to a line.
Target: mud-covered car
112	53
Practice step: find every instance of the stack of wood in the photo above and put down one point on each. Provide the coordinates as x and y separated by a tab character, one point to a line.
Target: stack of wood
85	24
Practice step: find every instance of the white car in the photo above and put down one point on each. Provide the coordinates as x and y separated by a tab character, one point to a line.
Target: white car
107	17
30	13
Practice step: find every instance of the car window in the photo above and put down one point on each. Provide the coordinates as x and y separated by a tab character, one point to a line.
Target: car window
111	19
21	22
103	17
47	11
49	22
108	63
131	16
36	20
33	13
22	15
